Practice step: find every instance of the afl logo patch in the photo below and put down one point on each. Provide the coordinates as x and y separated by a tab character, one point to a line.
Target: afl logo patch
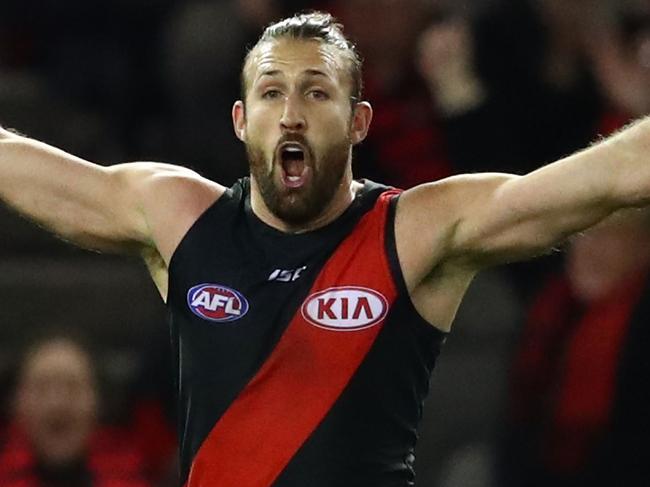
218	303
345	308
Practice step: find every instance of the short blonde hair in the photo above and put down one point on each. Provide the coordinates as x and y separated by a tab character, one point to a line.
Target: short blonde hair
319	26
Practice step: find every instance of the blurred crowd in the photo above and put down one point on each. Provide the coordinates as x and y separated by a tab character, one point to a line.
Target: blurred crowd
546	380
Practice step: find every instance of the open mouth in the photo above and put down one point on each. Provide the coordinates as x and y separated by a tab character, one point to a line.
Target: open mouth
295	170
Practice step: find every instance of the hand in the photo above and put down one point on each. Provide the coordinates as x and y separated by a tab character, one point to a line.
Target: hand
446	61
623	71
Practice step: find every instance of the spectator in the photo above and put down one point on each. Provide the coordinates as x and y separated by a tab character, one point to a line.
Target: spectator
204	43
55	440
446	61
522	69
515	89
580	389
461	420
405	146
622	65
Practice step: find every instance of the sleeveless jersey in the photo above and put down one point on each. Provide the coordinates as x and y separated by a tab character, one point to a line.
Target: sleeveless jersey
301	359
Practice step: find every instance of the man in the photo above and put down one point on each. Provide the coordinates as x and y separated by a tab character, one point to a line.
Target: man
307	308
55	440
580	386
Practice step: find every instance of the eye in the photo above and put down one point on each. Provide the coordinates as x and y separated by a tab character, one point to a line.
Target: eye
318	95
271	94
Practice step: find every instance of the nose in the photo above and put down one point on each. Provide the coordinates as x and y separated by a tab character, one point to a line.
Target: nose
293	118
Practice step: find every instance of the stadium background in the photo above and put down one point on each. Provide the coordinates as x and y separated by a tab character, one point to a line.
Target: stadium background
457	86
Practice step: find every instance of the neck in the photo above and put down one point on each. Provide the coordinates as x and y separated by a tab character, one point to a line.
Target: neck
342	198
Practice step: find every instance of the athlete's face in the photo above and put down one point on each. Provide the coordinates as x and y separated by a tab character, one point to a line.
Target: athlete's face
299	127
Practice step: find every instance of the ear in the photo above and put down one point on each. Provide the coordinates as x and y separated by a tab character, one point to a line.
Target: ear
239	120
361	118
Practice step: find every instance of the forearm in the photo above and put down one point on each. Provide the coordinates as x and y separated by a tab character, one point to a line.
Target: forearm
512	217
610	175
80	201
629	159
37	181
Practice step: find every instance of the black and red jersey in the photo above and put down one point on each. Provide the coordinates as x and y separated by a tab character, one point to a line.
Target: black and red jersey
301	359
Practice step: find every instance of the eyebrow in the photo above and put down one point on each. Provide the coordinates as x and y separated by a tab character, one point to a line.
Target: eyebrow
309	72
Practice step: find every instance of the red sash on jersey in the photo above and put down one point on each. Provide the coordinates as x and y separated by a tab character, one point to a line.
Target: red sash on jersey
305	374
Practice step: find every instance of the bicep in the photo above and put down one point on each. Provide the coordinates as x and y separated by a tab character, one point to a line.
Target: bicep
169	199
151	206
511	217
480	220
117	208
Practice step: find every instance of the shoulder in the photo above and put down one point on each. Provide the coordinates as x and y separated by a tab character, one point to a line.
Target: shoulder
156	175
166	186
454	189
433	206
436	212
449	201
171	198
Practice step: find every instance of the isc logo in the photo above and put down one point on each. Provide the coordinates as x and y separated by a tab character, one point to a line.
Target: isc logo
287	275
218	303
345	308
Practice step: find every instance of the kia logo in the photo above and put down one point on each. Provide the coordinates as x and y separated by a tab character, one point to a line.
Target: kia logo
346	308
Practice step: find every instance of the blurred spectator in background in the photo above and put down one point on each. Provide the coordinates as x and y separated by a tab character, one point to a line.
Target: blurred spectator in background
204	44
405	145
463	416
475	128
518	83
151	413
531	56
512	82
55	439
621	60
580	388
92	64
463	86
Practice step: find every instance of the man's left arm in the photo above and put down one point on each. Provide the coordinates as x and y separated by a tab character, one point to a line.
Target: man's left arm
488	219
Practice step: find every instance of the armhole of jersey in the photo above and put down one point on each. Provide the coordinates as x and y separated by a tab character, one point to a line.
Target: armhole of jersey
396	268
227	194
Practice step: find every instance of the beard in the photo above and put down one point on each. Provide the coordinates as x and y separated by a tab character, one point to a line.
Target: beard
299	206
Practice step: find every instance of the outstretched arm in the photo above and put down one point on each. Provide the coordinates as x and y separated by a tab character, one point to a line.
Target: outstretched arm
488	219
141	208
468	222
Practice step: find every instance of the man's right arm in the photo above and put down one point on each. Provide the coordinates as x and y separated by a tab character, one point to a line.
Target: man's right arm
127	208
